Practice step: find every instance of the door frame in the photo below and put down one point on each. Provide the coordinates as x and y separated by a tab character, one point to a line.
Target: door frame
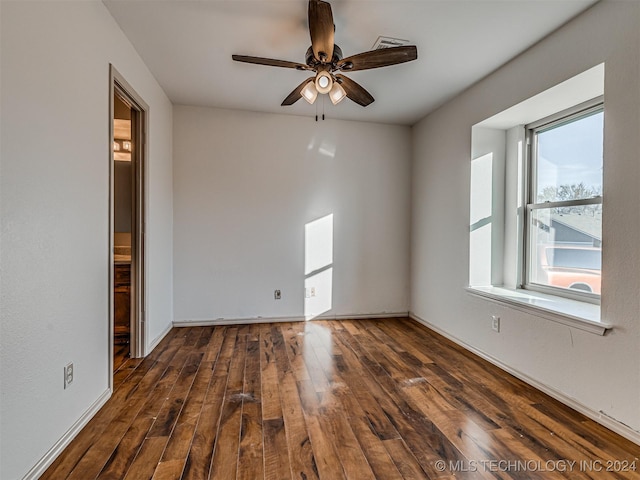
140	110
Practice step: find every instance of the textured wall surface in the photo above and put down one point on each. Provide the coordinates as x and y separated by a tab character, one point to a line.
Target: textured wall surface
245	187
601	373
54	182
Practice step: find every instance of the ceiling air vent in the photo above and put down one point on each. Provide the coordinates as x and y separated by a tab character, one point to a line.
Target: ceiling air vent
386	42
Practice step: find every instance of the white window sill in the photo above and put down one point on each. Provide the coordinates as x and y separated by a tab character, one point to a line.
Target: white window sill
573	313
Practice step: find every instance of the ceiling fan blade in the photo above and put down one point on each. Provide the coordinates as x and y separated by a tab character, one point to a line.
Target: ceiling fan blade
270	62
321	29
296	94
354	91
378	58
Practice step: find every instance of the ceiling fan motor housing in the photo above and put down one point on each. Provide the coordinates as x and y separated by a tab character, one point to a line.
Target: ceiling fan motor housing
312	62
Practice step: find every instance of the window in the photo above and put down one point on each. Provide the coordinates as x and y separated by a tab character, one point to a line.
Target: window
535	204
563	215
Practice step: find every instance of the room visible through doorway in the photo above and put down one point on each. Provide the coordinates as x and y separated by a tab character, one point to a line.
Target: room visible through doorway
126	241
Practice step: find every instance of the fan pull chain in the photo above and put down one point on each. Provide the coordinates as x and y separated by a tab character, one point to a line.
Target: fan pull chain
317	114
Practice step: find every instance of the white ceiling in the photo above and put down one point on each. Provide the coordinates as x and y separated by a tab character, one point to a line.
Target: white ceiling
188	45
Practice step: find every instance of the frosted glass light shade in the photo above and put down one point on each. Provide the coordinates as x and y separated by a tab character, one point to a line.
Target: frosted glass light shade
309	92
337	93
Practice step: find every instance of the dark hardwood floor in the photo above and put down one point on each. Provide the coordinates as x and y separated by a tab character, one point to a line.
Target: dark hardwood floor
365	399
120	355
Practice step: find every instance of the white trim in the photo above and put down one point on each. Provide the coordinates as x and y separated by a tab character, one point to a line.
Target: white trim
573	313
154	343
48	458
139	265
530	166
568	115
250	320
597	416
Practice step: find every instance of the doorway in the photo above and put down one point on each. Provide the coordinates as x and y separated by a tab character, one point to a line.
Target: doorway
128	114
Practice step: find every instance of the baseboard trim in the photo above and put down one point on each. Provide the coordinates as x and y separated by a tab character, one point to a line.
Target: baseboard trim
599	417
154	343
48	458
250	320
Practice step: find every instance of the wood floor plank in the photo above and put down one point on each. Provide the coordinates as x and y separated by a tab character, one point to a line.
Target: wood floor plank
411	343
534	437
126	369
250	454
332	415
301	458
314	364
351	374
175	454
225	457
168	415
383	355
324	449
350	399
276	458
354	462
404	460
198	462
294	337
120	460
411	424
371	442
174	457
145	462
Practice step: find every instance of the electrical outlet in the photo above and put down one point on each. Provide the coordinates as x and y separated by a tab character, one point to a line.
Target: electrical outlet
68	375
277	294
313	291
495	323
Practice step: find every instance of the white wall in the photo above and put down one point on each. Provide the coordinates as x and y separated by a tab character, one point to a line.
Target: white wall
245	186
486	208
55	202
601	373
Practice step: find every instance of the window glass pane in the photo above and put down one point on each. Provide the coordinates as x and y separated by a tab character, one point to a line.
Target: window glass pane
566	247
569	160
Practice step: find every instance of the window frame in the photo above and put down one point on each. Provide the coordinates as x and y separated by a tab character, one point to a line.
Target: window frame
530	203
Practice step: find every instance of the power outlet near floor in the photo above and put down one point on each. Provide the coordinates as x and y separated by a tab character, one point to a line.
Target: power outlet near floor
495	323
277	294
68	375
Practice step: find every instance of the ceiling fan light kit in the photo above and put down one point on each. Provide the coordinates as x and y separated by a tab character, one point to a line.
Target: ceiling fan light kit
324	82
324	58
337	93
309	92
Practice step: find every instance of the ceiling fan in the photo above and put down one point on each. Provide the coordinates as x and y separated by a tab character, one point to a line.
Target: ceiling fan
324	58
